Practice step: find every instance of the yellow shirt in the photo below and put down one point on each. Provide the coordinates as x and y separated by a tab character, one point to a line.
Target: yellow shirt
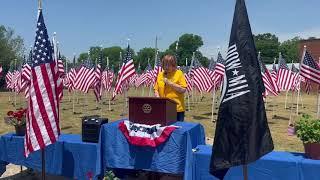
176	77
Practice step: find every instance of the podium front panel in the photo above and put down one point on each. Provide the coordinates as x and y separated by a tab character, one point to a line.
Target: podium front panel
150	111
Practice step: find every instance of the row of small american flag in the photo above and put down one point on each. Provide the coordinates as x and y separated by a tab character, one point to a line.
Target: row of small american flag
290	79
90	76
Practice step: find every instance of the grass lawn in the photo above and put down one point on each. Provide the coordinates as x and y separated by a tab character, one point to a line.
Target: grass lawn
200	112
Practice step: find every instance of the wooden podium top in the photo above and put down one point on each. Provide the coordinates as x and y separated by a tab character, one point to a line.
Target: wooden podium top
153	98
152	110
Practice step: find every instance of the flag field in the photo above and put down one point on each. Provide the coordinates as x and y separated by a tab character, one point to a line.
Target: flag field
278	116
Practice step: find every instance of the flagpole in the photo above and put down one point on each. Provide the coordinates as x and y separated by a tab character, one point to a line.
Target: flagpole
245	171
297	112
15	93
99	92
73	89
285	104
213	103
42	151
155	62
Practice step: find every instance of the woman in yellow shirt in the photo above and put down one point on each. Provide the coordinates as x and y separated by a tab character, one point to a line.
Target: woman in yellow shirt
171	84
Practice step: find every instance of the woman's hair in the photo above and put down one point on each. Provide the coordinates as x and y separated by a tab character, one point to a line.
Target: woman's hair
169	60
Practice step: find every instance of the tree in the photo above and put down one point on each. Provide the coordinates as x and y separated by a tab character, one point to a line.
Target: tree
143	55
268	45
82	57
11	48
188	43
290	50
113	53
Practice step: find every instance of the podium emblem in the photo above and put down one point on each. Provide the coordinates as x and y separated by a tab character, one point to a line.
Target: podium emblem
146	108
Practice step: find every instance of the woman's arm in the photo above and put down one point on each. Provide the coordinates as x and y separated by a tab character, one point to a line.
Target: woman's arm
156	93
175	86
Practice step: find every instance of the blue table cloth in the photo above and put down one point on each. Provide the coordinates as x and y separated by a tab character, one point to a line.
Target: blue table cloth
68	157
12	151
273	166
80	158
173	156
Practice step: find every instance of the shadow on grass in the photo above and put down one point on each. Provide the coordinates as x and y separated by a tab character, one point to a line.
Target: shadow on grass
280	117
208	114
66	127
199	117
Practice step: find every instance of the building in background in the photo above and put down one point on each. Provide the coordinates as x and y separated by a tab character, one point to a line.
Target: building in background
313	47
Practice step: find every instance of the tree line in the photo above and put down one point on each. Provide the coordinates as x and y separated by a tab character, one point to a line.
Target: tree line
12	51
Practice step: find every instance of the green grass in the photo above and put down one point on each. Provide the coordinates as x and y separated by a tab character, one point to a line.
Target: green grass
200	112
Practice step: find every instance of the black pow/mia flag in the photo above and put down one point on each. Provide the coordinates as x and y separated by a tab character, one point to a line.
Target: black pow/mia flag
242	133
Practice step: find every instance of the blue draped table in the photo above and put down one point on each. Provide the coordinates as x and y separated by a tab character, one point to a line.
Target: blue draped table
69	156
273	166
173	156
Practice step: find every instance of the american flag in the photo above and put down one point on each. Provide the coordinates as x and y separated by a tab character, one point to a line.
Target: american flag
157	68
267	79
141	79
126	71
274	76
72	75
8	78
43	104
201	78
0	71
150	75
85	76
308	86
98	84
60	68
107	78
189	82
310	69
219	70
25	76
285	78
297	78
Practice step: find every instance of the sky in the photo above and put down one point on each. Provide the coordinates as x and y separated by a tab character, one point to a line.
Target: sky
80	24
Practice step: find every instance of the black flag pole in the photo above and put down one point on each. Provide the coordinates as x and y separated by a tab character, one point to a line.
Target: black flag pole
245	172
242	133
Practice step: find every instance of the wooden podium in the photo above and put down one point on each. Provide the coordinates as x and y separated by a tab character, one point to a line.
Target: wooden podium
152	110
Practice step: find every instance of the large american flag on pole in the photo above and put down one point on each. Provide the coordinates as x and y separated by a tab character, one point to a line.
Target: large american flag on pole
43	104
309	69
126	71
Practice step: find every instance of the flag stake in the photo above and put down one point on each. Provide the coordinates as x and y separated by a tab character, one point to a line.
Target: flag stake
245	172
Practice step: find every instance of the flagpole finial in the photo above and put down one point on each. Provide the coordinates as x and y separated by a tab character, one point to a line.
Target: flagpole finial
305	47
54	33
39	4
128	40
